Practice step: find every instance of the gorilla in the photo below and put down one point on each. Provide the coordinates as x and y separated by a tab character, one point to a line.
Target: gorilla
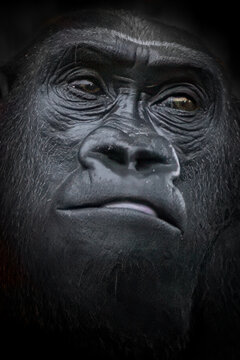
119	194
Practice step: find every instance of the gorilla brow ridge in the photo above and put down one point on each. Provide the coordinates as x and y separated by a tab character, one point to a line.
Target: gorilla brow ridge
198	58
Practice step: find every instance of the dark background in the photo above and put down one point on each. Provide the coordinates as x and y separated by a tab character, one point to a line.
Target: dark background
216	22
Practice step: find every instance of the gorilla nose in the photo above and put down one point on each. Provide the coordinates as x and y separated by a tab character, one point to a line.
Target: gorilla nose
139	152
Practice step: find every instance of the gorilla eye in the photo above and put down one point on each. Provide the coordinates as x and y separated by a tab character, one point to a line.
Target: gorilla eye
87	86
183	103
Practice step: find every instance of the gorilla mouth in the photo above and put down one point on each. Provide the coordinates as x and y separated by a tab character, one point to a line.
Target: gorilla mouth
132	206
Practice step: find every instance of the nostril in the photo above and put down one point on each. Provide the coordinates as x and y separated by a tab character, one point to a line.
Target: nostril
113	152
144	164
147	159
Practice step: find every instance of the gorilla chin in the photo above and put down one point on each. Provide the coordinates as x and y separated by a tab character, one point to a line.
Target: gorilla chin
128	262
119	162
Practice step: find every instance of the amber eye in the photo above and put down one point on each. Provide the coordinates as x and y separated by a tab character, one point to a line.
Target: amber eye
182	103
87	86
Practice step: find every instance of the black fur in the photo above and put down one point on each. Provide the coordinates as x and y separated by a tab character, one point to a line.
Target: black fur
108	282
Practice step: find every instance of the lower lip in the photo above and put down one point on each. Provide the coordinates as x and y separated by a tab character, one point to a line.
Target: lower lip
126	214
132	206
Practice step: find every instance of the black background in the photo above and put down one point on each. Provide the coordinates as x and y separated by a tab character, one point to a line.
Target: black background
218	23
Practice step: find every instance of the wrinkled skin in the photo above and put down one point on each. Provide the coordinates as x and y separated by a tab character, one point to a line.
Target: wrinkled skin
119	142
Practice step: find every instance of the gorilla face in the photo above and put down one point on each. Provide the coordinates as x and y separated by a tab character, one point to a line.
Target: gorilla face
116	176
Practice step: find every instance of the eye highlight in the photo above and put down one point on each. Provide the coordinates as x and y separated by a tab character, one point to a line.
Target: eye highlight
181	102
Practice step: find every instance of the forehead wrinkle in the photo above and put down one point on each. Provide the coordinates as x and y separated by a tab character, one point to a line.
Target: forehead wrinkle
90	32
151	43
137	41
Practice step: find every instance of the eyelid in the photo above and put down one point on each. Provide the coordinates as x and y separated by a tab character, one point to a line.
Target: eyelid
170	101
93	81
187	90
78	73
90	77
178	96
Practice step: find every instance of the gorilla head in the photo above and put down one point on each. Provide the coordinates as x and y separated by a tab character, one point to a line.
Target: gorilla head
119	170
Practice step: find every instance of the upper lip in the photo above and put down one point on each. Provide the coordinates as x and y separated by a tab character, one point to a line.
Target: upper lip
158	193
